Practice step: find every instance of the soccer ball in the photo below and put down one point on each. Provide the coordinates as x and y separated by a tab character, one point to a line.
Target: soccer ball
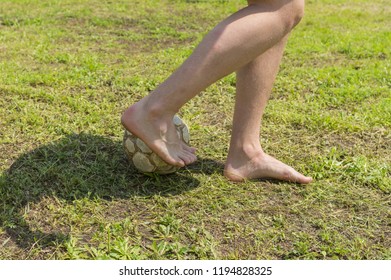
142	157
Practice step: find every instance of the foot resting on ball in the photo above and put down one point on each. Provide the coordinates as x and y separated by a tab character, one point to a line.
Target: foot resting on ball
157	130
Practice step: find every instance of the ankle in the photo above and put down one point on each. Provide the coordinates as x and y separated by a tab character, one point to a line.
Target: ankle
156	110
244	150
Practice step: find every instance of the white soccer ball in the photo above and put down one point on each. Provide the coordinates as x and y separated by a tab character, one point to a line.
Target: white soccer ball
142	157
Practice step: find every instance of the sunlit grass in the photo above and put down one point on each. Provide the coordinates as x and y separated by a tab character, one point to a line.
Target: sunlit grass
68	70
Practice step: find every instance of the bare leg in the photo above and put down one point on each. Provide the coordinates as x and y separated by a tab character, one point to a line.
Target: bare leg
229	46
246	159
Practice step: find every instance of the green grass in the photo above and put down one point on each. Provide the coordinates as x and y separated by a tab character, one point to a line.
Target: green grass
68	70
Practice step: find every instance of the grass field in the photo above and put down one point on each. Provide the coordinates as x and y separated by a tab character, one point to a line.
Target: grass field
68	70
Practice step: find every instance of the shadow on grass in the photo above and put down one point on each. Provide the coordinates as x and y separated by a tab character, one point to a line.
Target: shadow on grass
75	167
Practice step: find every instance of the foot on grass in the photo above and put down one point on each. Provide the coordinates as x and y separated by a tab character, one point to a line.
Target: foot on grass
159	133
259	165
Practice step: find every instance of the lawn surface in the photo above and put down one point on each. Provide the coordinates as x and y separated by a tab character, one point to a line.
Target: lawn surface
68	70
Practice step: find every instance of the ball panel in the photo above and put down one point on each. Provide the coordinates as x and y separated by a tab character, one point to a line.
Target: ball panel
177	120
186	134
169	170
142	163
129	146
143	147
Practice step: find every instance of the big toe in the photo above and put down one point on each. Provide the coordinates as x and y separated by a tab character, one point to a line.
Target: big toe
297	177
306	180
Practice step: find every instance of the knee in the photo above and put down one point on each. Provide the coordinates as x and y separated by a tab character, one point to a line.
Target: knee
292	13
297	12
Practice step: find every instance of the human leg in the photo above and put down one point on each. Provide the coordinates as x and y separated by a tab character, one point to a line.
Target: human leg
232	44
246	159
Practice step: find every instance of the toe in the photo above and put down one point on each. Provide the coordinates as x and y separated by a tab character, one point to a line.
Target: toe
177	161
180	162
189	149
297	177
187	157
193	158
306	180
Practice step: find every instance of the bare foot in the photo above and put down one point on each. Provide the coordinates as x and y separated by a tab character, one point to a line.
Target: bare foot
261	166
159	133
